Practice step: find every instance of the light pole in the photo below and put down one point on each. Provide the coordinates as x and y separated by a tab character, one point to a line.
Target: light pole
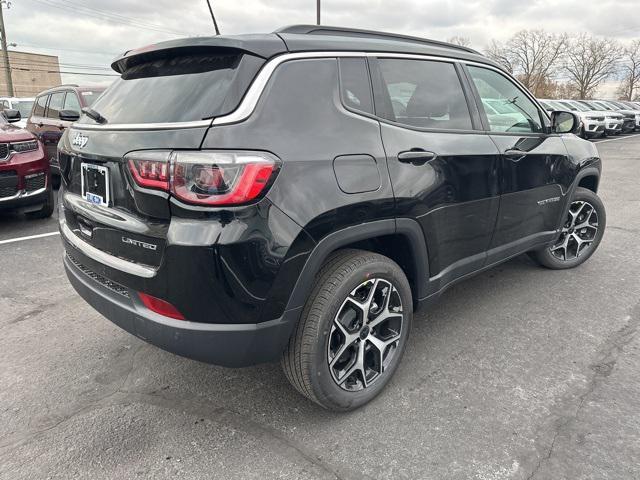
318	12
5	52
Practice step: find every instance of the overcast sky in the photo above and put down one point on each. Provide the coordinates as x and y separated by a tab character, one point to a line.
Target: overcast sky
90	33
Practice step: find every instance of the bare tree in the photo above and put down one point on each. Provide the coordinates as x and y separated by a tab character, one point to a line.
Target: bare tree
458	40
532	55
630	70
497	52
590	61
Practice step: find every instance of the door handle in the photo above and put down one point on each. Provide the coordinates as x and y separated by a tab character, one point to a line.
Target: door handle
416	157
515	155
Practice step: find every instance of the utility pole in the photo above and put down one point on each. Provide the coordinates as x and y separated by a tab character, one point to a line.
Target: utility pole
213	17
317	12
5	52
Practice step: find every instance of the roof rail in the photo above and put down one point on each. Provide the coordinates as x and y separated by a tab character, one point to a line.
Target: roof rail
67	85
356	32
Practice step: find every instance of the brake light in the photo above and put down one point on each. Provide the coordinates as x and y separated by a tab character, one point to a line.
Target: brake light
205	177
160	306
220	178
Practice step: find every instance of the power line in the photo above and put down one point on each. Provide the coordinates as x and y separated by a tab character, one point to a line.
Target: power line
21	44
105	16
65	72
26	63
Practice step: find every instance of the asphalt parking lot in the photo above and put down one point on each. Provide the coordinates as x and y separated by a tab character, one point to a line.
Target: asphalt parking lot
520	372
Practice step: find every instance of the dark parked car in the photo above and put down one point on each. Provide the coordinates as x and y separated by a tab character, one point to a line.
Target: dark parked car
25	178
298	195
53	111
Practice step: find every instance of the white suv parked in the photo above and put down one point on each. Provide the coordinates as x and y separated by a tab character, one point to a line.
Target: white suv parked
593	123
23	105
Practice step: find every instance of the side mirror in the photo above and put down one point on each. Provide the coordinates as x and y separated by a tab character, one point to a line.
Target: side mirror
12	115
564	122
69	115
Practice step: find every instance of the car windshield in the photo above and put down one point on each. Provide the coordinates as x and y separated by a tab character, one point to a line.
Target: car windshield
24	107
605	106
579	106
545	105
595	106
557	105
568	105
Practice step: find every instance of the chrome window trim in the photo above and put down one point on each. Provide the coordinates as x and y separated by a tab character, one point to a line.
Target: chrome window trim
103	257
143	126
253	94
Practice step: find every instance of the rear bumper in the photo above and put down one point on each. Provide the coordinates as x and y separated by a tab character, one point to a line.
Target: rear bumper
229	345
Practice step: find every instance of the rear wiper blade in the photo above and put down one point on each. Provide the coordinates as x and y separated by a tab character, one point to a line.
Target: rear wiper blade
91	113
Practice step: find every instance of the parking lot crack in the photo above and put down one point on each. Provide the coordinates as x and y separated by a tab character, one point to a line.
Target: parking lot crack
277	441
568	409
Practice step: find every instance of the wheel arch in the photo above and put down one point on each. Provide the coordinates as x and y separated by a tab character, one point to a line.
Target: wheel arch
401	240
589	180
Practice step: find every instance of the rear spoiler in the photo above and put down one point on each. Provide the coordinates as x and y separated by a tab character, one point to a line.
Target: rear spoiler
265	46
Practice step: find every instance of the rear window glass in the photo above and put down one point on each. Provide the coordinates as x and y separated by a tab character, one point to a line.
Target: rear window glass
355	86
71	102
425	94
55	104
178	88
41	102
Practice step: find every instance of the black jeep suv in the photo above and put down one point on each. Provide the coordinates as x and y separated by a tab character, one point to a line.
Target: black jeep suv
298	195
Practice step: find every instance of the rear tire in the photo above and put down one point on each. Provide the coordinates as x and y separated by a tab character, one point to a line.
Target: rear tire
581	233
56	180
47	208
352	332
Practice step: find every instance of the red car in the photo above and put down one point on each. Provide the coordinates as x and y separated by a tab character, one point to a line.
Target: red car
25	174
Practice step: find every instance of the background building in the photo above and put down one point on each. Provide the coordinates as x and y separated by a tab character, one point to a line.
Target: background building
31	73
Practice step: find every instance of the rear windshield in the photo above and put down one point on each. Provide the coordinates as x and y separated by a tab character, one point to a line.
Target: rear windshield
178	88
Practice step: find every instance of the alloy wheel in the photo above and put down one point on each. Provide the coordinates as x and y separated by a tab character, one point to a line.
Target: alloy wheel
365	334
578	232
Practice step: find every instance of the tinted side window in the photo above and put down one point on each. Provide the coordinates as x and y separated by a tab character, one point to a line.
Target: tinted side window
55	104
71	102
425	94
515	112
41	102
355	88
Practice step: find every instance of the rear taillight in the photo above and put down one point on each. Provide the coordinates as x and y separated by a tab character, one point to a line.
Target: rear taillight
150	169
160	306
220	178
204	177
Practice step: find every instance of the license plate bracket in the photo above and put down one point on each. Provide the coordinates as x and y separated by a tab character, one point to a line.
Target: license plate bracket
95	184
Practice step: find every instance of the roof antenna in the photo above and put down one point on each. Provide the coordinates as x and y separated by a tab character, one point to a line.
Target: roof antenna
213	17
317	12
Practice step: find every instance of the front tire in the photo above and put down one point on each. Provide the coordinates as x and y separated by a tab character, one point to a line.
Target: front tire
581	233
352	332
